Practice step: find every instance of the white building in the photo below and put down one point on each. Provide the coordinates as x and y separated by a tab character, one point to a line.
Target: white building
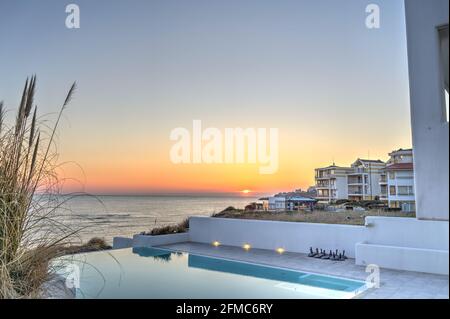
277	203
290	202
331	183
397	181
363	181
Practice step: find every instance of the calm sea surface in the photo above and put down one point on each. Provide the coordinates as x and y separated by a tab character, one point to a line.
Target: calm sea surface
109	216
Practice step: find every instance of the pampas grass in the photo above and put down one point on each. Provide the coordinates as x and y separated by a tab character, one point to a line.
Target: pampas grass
31	235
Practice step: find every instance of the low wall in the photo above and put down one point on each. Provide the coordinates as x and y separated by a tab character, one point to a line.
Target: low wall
406	244
389	242
407	232
404	258
292	236
158	240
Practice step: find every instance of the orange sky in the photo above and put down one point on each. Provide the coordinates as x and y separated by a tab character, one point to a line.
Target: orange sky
130	168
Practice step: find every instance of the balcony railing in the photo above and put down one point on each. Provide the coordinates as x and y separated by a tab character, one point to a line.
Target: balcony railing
322	185
356	181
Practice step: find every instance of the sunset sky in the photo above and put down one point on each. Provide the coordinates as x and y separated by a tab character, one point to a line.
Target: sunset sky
335	89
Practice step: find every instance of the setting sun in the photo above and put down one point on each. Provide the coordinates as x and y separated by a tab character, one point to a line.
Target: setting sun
245	191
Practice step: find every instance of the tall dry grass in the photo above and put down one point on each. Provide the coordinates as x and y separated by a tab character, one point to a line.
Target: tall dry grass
30	234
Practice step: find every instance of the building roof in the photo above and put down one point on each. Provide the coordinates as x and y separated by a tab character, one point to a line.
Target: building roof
401	151
367	162
370	161
332	167
289	195
400	166
301	199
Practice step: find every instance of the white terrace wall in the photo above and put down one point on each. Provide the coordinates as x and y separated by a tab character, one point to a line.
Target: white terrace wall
405	243
293	237
407	232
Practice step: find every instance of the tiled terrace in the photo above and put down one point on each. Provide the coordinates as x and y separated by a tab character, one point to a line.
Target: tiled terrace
394	284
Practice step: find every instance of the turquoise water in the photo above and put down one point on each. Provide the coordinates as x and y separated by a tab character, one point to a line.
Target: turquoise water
160	273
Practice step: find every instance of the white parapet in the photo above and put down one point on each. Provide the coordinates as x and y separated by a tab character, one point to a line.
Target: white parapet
403	258
407	232
158	240
405	244
122	242
262	234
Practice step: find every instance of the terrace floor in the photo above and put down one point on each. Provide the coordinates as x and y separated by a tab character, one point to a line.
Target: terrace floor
394	284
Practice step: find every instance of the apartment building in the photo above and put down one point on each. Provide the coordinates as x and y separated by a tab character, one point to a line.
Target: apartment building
363	182
331	183
360	181
397	182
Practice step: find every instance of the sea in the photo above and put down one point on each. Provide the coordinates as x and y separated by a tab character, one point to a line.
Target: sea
107	216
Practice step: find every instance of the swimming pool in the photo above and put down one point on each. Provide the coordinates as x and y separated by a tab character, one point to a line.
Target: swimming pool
161	273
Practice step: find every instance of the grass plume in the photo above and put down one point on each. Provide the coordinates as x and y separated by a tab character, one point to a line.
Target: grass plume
30	235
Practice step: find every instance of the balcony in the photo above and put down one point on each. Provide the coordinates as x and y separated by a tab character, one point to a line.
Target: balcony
322	185
323	176
355	191
355	181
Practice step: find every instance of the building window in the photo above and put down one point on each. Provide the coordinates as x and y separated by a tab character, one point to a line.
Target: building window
443	42
405	190
391	175
392	191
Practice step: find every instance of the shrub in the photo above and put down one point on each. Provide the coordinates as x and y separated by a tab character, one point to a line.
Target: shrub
94	244
181	227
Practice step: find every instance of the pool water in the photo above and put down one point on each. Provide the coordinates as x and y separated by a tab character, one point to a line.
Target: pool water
161	273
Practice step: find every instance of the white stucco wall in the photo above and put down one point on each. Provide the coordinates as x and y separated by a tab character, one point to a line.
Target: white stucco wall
341	187
405	243
122	242
404	258
158	240
429	128
407	232
293	237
